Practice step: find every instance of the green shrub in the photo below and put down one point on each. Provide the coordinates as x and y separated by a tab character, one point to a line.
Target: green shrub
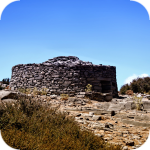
28	125
88	88
124	88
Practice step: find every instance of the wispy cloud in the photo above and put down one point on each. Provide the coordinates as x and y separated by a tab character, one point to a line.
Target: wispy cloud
134	76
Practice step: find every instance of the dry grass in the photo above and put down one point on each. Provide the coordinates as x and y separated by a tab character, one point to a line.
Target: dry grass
29	125
64	96
129	92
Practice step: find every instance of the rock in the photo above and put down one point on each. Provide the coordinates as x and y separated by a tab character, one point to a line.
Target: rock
113	113
6	94
128	105
108	98
99	135
146	105
91	113
116	107
104	106
78	114
98	126
96	117
130	143
4	85
109	125
8	101
125	148
53	96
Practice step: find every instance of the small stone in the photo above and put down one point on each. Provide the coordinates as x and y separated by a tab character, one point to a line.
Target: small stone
130	143
91	113
99	135
78	114
53	96
96	117
125	148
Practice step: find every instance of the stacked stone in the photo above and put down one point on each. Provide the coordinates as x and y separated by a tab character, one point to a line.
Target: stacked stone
65	75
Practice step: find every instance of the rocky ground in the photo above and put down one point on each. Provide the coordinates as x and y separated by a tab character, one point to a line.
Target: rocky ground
118	121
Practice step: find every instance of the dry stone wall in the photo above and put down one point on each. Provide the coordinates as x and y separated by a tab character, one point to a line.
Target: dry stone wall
65	75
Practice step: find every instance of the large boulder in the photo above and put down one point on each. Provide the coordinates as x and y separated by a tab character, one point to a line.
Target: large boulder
6	94
146	105
116	107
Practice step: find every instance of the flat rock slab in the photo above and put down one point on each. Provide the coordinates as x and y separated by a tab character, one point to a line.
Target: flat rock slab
8	101
146	105
136	123
116	107
5	94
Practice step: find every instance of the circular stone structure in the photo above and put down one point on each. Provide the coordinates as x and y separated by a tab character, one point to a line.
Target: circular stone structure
65	74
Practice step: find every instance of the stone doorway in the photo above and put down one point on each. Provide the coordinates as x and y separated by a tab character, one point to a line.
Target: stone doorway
106	86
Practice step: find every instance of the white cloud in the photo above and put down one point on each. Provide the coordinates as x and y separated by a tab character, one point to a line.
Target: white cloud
134	76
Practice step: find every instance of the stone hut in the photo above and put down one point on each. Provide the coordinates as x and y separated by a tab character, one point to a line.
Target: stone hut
63	74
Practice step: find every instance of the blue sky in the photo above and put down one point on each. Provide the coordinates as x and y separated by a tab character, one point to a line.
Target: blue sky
108	32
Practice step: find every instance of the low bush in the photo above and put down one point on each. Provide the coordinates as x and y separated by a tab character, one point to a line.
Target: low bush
124	88
88	88
28	125
64	96
129	92
44	91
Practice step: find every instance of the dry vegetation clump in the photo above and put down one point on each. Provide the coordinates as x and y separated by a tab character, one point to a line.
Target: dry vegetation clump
28	125
129	92
44	91
25	90
138	102
35	91
64	96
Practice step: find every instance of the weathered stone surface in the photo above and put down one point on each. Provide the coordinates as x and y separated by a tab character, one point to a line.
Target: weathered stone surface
53	96
8	101
96	117
146	105
116	107
65	74
115	128
136	123
130	143
4	94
